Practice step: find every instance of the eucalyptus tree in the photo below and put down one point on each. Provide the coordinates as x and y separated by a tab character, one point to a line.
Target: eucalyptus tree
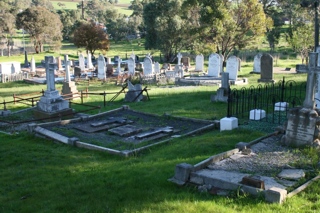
42	26
166	29
228	25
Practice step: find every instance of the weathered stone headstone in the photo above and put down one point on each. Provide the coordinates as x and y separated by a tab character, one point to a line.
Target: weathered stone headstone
199	63
59	63
215	65
156	67
26	62
222	92
89	61
232	67
131	66
77	71
257	63
185	61
109	69
147	66
69	89
32	65
266	68
302	127
118	70
101	68
115	59
133	92
81	62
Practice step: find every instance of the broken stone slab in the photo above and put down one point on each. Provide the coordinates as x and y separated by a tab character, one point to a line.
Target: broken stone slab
109	121
126	130
167	130
291	174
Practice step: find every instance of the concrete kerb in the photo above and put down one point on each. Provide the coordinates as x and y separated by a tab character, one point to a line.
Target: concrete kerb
184	170
38	128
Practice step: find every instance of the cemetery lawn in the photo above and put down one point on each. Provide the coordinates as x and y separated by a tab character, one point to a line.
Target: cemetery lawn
38	175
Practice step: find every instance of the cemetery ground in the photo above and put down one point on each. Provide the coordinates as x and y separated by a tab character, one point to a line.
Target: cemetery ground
38	175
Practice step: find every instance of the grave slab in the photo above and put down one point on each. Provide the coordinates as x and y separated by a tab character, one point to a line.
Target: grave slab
126	130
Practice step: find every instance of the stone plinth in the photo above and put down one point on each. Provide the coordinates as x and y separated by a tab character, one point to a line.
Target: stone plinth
53	116
52	102
301	128
69	90
228	123
257	114
281	106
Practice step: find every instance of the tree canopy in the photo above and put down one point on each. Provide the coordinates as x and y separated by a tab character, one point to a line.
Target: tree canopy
92	37
42	26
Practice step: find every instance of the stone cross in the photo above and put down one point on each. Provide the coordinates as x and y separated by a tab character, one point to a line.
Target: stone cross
179	58
67	67
309	99
50	67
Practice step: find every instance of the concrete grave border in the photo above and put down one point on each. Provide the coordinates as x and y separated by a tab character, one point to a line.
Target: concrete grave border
184	171
40	130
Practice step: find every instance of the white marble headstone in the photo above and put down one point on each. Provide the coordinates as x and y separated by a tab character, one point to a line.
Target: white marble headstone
232	67
101	68
215	65
81	62
156	67
32	65
89	61
199	63
179	56
131	66
257	63
147	66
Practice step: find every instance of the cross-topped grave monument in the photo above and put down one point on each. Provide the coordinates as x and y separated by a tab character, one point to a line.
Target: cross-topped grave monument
303	127
69	89
51	104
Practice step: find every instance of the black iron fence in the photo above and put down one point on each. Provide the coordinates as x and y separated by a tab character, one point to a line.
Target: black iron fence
269	102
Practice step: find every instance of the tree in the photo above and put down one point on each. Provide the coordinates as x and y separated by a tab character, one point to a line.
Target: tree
91	37
42	26
232	24
7	29
166	30
69	19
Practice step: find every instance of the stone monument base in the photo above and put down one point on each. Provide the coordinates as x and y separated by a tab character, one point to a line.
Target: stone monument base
53	116
302	127
222	95
69	90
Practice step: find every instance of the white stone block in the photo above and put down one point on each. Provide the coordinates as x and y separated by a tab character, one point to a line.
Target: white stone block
257	114
281	106
228	123
275	195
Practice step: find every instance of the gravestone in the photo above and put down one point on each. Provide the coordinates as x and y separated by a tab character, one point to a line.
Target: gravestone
109	60
302	128
32	65
118	70
222	92
51	104
26	62
266	74
69	89
156	68
101	68
179	56
215	65
185	61
257	63
109	69
232	67
199	63
134	92
81	62
77	71
147	66
89	61
59	63
131	66
115	59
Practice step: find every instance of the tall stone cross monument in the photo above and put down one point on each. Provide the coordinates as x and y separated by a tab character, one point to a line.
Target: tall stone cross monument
303	126
51	104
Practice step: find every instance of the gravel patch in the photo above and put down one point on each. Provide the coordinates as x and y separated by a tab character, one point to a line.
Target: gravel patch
267	157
